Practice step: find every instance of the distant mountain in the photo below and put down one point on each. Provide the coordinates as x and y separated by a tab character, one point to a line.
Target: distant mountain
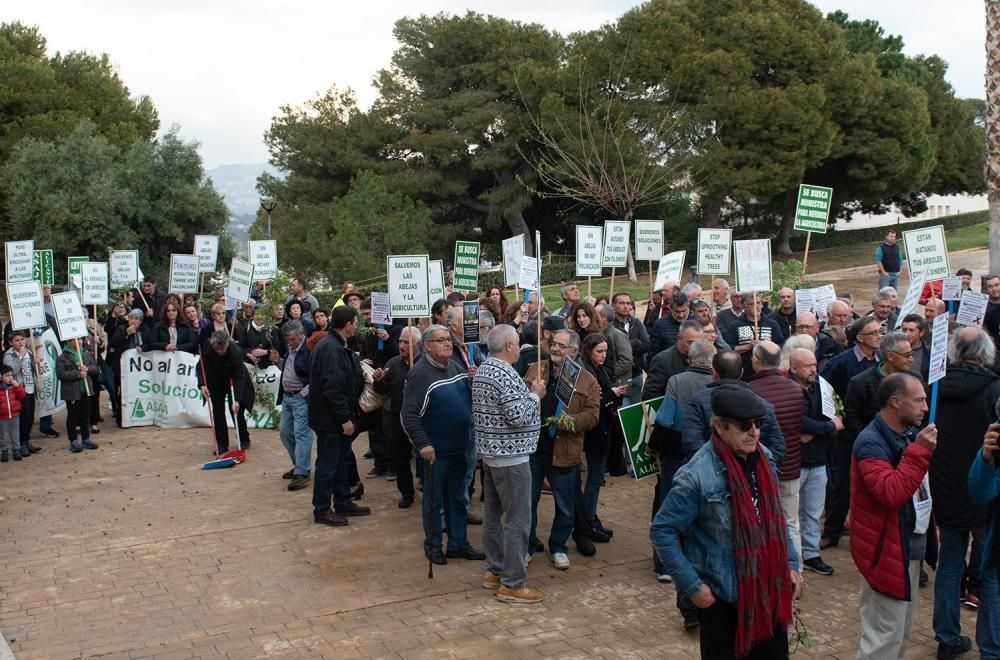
238	185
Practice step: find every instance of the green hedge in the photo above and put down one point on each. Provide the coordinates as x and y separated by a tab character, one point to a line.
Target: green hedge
875	234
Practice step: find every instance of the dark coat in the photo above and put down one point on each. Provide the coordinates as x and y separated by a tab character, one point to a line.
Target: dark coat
598	439
668	363
68	373
159	338
698	423
789	406
638	338
816	424
861	402
335	384
664	334
218	371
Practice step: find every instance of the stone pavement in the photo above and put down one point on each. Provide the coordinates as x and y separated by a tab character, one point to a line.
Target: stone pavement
132	551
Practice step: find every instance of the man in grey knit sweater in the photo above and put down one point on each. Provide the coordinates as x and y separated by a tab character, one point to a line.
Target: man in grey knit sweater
507	421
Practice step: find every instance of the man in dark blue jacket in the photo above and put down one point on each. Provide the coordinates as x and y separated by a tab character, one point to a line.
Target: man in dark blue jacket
295	432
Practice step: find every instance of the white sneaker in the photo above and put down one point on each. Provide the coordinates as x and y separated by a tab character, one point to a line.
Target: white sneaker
663	577
560	560
527	558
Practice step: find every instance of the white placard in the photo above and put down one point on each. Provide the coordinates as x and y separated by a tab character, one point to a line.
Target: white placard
927	252
715	249
20	260
48	394
939	349
513	250
529	274
649	243
436	270
264	257
184	271
911	299
94	277
951	288
240	280
207	249
124	269
753	265
826	394
380	308
816	300
71	321
972	309
616	244
671	269
588	251
230	302
409	286
25	305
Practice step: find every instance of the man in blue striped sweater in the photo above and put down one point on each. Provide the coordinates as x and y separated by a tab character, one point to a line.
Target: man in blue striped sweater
437	415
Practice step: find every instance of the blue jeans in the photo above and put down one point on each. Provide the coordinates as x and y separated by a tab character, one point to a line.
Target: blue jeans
635	394
889	279
948	583
295	432
45	424
668	468
592	489
471	457
563	482
988	619
330	481
448	474
812	496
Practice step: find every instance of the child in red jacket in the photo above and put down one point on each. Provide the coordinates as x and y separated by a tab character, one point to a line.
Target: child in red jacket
11	394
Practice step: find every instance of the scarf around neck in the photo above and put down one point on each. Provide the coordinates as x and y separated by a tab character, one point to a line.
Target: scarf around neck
760	551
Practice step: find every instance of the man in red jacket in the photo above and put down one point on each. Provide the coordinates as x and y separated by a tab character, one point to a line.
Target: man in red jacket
891	507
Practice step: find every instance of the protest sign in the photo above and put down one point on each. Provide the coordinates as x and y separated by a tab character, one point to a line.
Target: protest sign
466	277
409	286
71	321
812	210
230	302
240	280
207	249
671	269
588	251
124	268
714	251
184	273
436	269
264	257
616	245
927	252
94	275
637	425
43	267
951	288
73	267
911	299
566	385
48	397
19	259
380	308
25	305
753	265
826	395
816	300
529	274
161	389
649	244
972	309
266	383
513	250
470	322
939	349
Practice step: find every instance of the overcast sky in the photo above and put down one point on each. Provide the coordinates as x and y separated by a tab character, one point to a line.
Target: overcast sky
221	68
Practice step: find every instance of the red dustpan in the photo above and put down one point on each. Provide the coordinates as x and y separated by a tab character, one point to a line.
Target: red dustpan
230	458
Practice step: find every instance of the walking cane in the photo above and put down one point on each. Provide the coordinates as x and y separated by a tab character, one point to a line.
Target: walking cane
431	512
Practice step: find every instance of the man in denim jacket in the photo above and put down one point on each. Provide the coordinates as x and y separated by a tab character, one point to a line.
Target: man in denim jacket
725	504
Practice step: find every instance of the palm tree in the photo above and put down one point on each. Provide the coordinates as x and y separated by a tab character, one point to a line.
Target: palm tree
991	165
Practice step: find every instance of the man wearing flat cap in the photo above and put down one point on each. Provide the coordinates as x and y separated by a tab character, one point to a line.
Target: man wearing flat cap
737	564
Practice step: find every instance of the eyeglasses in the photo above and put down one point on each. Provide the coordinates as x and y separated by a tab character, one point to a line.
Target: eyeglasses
868	334
745	424
905	356
442	340
562	346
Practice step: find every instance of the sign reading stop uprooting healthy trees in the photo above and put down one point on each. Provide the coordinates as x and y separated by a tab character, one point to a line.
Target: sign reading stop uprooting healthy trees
466	266
588	251
714	251
409	290
812	211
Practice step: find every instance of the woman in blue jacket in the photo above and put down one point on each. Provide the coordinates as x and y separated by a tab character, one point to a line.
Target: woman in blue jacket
984	487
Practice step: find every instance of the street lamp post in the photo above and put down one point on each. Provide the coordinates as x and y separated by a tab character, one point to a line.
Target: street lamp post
268	205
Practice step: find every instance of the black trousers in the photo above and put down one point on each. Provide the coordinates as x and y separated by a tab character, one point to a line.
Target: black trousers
718	636
220	413
330	476
838	489
78	418
399	451
373	424
27	419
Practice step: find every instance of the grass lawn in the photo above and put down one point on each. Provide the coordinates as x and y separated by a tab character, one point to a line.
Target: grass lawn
844	256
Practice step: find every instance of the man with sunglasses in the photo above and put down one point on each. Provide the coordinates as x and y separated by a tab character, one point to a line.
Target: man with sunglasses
736	563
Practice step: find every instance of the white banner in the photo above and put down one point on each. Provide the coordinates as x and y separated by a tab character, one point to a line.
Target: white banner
951	288
380	308
671	269
240	280
911	299
20	260
513	251
264	257
207	249
927	252
529	274
94	276
939	349
588	251
161	389
616	244
649	243
48	396
124	269
815	300
184	273
753	265
71	320
972	309
409	286
714	251
25	305
435	274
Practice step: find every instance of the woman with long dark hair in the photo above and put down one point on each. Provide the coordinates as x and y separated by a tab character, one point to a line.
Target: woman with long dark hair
587	321
172	333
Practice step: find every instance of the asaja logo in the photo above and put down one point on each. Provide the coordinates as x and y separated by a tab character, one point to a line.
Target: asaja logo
137	411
